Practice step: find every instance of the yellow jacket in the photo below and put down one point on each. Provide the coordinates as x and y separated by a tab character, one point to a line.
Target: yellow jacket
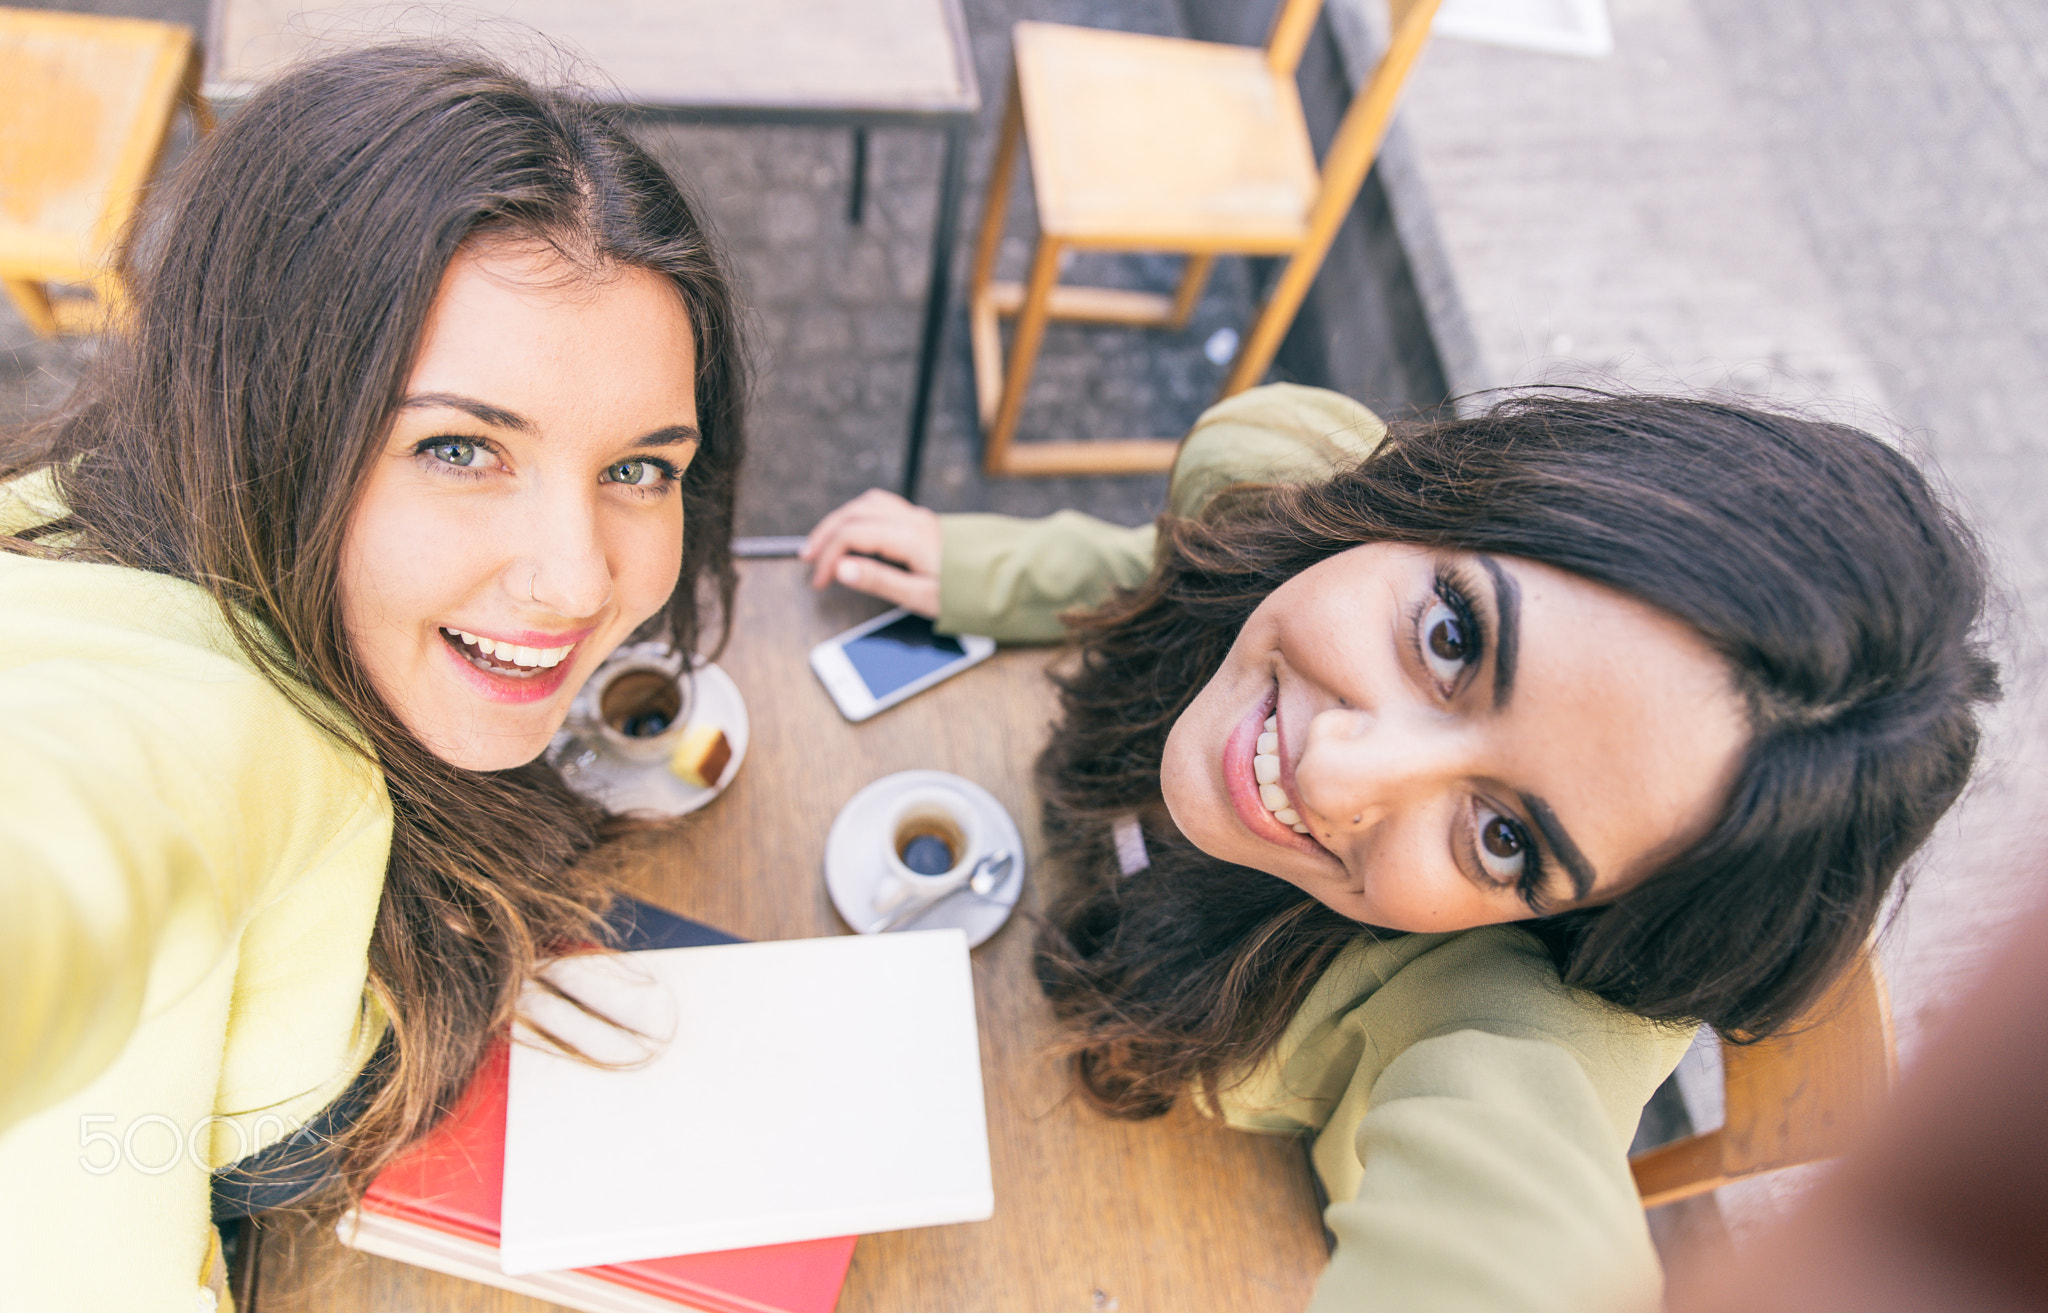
1470	1116
189	871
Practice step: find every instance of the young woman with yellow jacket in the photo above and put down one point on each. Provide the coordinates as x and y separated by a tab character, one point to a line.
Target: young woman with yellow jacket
426	398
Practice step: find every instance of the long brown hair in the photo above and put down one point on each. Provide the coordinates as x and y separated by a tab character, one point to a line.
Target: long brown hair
1812	557
279	291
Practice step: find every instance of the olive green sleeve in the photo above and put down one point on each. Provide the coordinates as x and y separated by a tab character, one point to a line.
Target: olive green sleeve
1011	578
1477	1160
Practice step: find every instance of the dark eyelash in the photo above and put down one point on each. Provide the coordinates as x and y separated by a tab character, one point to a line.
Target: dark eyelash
1453	588
1530	886
425	445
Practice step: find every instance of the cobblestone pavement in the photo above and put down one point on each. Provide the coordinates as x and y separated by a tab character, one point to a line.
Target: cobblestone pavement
1911	137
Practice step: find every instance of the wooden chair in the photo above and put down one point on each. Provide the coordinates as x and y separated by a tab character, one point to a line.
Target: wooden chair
1156	143
83	121
1793	1099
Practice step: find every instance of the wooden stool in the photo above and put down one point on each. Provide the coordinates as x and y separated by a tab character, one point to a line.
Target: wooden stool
82	125
1796	1098
1155	143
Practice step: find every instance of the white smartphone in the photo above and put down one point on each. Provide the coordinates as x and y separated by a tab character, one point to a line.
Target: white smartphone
877	664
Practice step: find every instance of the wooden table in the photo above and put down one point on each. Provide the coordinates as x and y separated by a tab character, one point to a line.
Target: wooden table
833	63
1175	1215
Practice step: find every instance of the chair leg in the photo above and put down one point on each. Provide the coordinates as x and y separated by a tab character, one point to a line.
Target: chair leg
1192	281
997	203
1031	321
1275	317
32	299
984	337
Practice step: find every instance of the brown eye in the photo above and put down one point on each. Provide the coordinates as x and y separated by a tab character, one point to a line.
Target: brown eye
1502	838
1445	645
1447	639
1503	844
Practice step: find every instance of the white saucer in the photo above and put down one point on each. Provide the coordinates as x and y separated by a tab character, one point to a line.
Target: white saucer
854	862
654	790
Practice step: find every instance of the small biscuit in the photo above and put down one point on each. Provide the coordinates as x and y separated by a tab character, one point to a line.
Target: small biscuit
701	756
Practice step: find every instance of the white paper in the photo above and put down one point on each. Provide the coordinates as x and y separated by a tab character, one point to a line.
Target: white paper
1559	27
796	1090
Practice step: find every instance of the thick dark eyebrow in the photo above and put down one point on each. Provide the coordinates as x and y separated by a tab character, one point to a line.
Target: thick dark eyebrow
1507	607
484	412
672	435
481	411
1560	842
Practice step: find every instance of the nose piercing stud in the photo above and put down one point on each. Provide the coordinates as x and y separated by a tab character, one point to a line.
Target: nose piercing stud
1356	819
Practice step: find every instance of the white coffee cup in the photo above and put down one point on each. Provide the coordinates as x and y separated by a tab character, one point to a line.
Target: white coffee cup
630	699
932	835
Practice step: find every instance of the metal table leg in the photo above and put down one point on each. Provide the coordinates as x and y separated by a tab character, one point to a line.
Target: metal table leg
938	293
857	191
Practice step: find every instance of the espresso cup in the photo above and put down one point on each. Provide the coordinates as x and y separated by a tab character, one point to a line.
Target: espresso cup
638	711
933	834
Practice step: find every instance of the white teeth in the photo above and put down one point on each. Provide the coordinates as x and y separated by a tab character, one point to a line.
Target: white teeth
530	658
1266	774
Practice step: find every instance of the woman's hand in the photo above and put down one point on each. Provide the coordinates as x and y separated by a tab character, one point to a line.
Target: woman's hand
879	524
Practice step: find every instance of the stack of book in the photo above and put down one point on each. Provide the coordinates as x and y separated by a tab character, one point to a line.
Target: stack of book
762	1105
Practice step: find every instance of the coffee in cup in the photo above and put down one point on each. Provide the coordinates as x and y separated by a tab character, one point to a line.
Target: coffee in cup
932	835
641	709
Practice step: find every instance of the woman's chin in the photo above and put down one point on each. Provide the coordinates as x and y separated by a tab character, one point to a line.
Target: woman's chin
486	748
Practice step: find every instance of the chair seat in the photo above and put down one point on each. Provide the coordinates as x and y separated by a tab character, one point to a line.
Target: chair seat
1159	142
87	104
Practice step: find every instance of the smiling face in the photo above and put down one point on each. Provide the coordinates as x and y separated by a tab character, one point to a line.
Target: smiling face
521	518
1432	740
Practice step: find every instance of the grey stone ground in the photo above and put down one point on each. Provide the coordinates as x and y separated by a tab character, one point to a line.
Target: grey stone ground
1918	168
1841	207
837	308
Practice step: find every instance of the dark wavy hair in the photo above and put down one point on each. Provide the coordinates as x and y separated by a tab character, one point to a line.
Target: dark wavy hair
1816	560
278	294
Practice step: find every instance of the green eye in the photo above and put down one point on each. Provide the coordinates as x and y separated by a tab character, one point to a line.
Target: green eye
635	473
454	451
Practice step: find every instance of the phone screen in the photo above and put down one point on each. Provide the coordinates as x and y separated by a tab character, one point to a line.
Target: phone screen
903	650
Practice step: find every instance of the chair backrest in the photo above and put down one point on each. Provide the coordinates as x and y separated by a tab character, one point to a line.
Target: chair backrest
1795	1098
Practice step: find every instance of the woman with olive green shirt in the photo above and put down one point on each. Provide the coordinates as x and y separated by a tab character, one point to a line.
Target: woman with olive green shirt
1470	1115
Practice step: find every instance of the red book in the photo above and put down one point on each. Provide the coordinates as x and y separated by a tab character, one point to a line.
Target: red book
438	1207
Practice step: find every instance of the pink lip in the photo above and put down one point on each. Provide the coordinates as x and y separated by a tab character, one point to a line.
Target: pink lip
1244	795
506	688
